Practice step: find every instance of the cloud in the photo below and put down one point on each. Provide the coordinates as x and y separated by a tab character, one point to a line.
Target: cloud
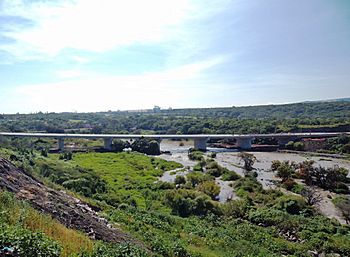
43	29
90	25
165	88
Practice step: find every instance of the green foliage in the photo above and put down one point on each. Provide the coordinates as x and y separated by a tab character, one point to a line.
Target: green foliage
291	204
300	117
209	188
117	250
195	155
188	202
246	185
248	160
180	180
285	171
214	169
343	204
67	156
26	243
261	223
237	208
230	175
147	146
340	144
196	177
72	177
331	178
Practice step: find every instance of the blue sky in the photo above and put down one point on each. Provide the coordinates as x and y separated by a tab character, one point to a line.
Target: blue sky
96	55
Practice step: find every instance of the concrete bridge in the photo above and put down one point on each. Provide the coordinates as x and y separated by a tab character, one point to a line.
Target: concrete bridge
243	141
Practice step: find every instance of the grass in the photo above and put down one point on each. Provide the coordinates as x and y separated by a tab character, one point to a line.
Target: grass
18	213
127	174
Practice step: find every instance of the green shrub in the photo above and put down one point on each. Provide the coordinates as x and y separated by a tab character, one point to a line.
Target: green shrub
209	188
180	180
230	175
285	171
291	204
196	155
237	208
117	250
188	202
28	244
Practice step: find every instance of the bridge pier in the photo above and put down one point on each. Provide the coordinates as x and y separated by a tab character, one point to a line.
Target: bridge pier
200	143
60	142
108	143
244	143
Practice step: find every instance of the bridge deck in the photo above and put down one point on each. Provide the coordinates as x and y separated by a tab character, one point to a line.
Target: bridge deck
155	136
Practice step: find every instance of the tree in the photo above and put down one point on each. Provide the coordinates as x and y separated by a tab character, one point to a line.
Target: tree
248	159
311	195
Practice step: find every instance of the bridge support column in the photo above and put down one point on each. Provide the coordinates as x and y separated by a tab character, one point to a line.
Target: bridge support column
108	143
244	143
200	143
61	144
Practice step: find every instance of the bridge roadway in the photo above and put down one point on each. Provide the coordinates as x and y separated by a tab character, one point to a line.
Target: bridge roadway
243	141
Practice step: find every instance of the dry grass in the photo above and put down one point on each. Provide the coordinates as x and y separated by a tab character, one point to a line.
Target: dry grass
15	212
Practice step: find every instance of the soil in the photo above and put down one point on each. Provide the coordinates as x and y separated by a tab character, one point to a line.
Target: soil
70	211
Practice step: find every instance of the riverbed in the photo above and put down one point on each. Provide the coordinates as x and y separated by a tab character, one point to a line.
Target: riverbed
230	160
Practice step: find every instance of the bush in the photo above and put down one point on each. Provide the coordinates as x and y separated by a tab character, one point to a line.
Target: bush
285	171
291	204
119	145
209	188
289	184
188	202
196	155
298	146
147	146
344	206
117	250
180	180
237	208
26	243
230	175
247	185
195	178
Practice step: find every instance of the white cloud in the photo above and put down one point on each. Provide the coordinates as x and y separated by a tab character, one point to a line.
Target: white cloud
93	25
68	74
166	88
103	25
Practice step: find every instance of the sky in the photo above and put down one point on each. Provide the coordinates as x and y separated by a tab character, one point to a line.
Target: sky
99	55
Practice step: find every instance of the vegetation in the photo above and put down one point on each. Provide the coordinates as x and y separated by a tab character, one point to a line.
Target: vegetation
343	204
31	233
299	117
248	161
187	221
